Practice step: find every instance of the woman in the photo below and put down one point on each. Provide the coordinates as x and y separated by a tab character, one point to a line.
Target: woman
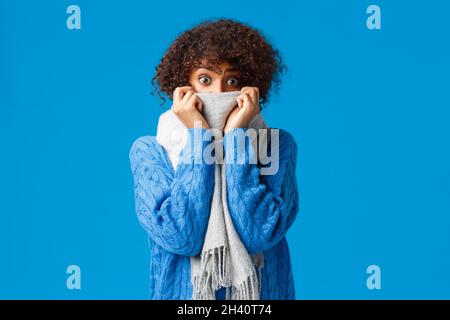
173	206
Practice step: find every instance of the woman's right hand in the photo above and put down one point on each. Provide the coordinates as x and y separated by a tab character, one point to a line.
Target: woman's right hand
187	107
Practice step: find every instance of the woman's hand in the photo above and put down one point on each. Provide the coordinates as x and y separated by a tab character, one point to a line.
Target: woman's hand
187	107
245	111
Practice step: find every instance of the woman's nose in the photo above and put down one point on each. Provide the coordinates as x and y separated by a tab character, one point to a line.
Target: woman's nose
218	87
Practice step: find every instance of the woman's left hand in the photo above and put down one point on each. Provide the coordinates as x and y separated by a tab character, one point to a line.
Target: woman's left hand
245	111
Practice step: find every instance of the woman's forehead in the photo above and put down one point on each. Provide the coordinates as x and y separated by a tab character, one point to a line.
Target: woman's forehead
217	68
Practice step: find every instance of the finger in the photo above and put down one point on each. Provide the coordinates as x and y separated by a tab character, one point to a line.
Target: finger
240	101
251	106
256	94
176	95
195	102
184	89
180	92
186	97
246	98
200	106
253	95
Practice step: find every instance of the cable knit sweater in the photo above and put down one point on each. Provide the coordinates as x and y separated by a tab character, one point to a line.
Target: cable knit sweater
173	207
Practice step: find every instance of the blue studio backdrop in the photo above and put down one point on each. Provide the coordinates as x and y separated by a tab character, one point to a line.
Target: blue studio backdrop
369	109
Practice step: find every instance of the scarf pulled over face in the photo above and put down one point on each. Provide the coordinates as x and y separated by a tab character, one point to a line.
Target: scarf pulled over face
217	106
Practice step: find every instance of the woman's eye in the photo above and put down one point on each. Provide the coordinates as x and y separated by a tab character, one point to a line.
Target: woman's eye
205	80
233	82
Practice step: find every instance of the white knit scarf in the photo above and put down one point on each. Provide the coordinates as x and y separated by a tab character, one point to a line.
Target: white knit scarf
224	260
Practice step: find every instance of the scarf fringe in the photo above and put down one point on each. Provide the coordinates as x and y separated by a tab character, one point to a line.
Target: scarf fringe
249	289
216	263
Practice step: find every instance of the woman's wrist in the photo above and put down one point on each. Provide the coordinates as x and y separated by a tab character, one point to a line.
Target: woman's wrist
227	129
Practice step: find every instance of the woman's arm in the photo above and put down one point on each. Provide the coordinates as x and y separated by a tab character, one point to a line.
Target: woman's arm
173	207
262	207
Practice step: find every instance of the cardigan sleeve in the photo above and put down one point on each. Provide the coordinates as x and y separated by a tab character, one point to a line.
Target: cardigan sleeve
262	207
173	205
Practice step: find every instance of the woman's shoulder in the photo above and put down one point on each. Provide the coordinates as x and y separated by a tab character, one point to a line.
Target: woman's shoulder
148	148
145	144
286	140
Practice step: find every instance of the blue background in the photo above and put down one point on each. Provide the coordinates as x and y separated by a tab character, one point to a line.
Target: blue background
369	109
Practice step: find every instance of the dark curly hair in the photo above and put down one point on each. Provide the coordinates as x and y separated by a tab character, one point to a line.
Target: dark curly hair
218	41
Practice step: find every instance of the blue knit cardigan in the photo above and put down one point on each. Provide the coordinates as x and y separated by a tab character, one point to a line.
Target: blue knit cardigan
173	207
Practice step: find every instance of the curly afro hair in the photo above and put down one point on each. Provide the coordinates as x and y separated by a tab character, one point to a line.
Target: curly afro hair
220	41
